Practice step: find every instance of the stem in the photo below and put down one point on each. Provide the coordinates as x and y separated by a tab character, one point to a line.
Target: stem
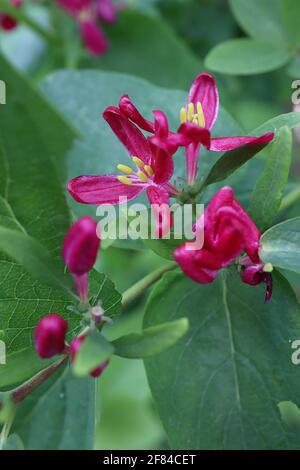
290	199
23	18
6	428
20	393
135	291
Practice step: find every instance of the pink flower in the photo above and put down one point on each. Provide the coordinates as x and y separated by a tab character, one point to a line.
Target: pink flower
80	249
228	232
87	14
7	22
75	346
152	173
197	120
49	336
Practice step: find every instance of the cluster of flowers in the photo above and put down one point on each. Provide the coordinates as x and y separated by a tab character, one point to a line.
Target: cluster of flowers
228	229
79	252
7	22
88	15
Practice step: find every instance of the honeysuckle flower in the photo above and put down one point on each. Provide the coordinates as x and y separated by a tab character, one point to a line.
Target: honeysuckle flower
228	232
151	172
87	13
49	336
254	274
197	119
80	249
74	348
7	22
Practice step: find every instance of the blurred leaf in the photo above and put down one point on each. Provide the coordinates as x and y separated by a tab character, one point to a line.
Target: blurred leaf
293	68
290	414
152	340
262	19
291	14
163	247
234	364
93	352
13	442
269	189
247	56
134	38
6	407
280	245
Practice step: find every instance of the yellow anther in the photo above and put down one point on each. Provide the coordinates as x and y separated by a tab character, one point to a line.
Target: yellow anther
124	179
138	162
142	177
200	114
182	115
268	268
149	170
190	111
195	121
125	169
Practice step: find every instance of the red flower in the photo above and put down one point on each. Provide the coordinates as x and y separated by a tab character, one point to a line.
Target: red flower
152	173
49	336
75	345
80	249
197	119
7	22
228	232
87	14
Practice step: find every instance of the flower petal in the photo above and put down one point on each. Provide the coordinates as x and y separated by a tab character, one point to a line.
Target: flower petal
106	189
130	136
107	11
127	107
161	163
201	266
159	200
93	37
204	90
224	144
190	132
75	7
161	124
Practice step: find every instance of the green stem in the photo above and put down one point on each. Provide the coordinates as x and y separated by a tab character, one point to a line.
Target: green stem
135	291
6	428
22	17
290	199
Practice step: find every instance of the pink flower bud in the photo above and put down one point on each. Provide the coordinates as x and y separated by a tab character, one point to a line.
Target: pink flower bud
49	335
75	345
81	246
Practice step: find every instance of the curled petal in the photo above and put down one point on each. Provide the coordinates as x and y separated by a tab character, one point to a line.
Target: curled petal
202	266
224	144
159	200
254	275
130	136
161	125
128	109
93	37
107	11
224	197
189	132
106	189
161	163
204	90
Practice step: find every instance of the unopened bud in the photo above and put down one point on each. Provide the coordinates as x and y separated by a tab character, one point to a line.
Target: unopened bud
49	335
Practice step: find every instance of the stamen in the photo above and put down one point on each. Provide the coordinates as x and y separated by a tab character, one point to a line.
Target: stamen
142	177
125	169
268	268
182	115
138	162
190	111
200	114
149	170
124	180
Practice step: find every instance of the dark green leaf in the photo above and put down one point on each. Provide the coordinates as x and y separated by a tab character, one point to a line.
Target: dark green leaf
152	340
268	191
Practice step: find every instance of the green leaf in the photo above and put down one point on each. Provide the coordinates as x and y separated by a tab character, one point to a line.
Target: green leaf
246	57
233	365
6	407
31	254
291	14
290	120
230	162
13	442
152	340
59	416
280	245
145	34
268	191
94	351
262	19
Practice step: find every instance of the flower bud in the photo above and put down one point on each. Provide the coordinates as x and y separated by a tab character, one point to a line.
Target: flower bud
75	345
81	246
49	335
